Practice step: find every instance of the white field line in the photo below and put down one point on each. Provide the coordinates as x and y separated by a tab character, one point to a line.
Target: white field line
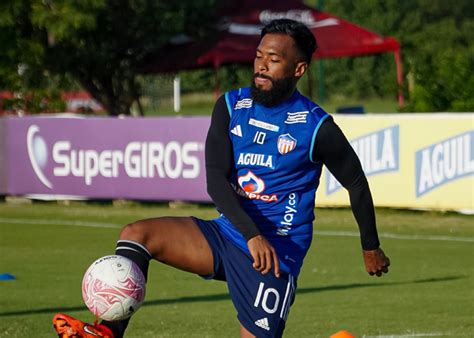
397	236
57	222
318	232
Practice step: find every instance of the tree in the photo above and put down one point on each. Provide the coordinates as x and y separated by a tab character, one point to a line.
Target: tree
101	44
441	60
20	55
436	38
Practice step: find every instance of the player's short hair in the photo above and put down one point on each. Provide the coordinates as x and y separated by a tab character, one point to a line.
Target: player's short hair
304	39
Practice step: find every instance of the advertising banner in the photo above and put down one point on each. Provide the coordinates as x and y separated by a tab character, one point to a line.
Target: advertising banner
3	154
105	158
423	161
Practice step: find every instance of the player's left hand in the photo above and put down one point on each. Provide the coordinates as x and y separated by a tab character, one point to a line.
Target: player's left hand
376	262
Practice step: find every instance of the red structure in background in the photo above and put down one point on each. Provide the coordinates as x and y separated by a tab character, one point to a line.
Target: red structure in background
4	95
76	102
239	35
81	102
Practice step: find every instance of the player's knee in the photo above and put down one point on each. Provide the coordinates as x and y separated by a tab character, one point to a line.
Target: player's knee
136	231
148	233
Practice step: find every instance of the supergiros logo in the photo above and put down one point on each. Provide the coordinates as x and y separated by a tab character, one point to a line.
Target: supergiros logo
378	153
443	162
136	160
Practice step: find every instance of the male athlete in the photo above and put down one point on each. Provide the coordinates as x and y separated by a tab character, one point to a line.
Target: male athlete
264	152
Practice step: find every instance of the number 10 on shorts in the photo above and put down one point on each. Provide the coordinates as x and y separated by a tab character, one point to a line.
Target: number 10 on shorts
265	296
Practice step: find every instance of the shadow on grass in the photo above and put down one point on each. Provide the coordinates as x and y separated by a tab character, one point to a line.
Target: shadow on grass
224	296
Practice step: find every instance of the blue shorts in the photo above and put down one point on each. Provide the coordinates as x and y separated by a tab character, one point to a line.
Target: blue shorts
262	301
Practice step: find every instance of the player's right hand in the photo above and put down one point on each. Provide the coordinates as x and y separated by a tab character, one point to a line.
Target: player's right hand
376	262
264	255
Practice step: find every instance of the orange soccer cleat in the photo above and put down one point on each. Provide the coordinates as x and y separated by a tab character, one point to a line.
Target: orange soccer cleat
67	326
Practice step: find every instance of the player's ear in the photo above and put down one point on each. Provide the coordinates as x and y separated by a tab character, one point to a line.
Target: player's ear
300	68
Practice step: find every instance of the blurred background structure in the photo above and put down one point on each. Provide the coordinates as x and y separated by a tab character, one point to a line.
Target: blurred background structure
106	49
238	35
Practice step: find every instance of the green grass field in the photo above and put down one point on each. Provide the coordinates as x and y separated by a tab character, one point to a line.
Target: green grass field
201	104
429	291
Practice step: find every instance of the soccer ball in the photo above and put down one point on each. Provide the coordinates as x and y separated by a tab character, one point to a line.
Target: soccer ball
113	287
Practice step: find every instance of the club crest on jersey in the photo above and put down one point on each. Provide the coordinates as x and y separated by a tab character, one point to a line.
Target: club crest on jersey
286	143
251	186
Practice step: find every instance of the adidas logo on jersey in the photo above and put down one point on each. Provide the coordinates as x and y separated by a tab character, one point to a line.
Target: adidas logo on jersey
263	323
237	130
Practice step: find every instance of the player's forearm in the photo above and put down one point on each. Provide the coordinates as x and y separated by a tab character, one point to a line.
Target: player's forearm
228	203
363	210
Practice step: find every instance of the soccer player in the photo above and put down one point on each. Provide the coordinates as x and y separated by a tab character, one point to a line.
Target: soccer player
265	150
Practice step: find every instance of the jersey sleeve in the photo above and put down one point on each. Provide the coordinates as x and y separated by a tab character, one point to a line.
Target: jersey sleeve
219	166
334	150
321	117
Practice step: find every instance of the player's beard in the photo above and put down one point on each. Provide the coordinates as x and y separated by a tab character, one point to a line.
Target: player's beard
281	89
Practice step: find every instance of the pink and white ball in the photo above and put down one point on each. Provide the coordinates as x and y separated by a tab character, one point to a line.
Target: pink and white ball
113	288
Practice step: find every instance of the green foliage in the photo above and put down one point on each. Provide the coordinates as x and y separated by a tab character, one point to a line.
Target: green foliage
62	19
436	38
225	78
19	56
200	80
101	44
368	76
234	76
443	66
38	101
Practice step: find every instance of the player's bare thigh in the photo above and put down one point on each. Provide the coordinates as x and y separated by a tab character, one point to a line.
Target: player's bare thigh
176	241
244	333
